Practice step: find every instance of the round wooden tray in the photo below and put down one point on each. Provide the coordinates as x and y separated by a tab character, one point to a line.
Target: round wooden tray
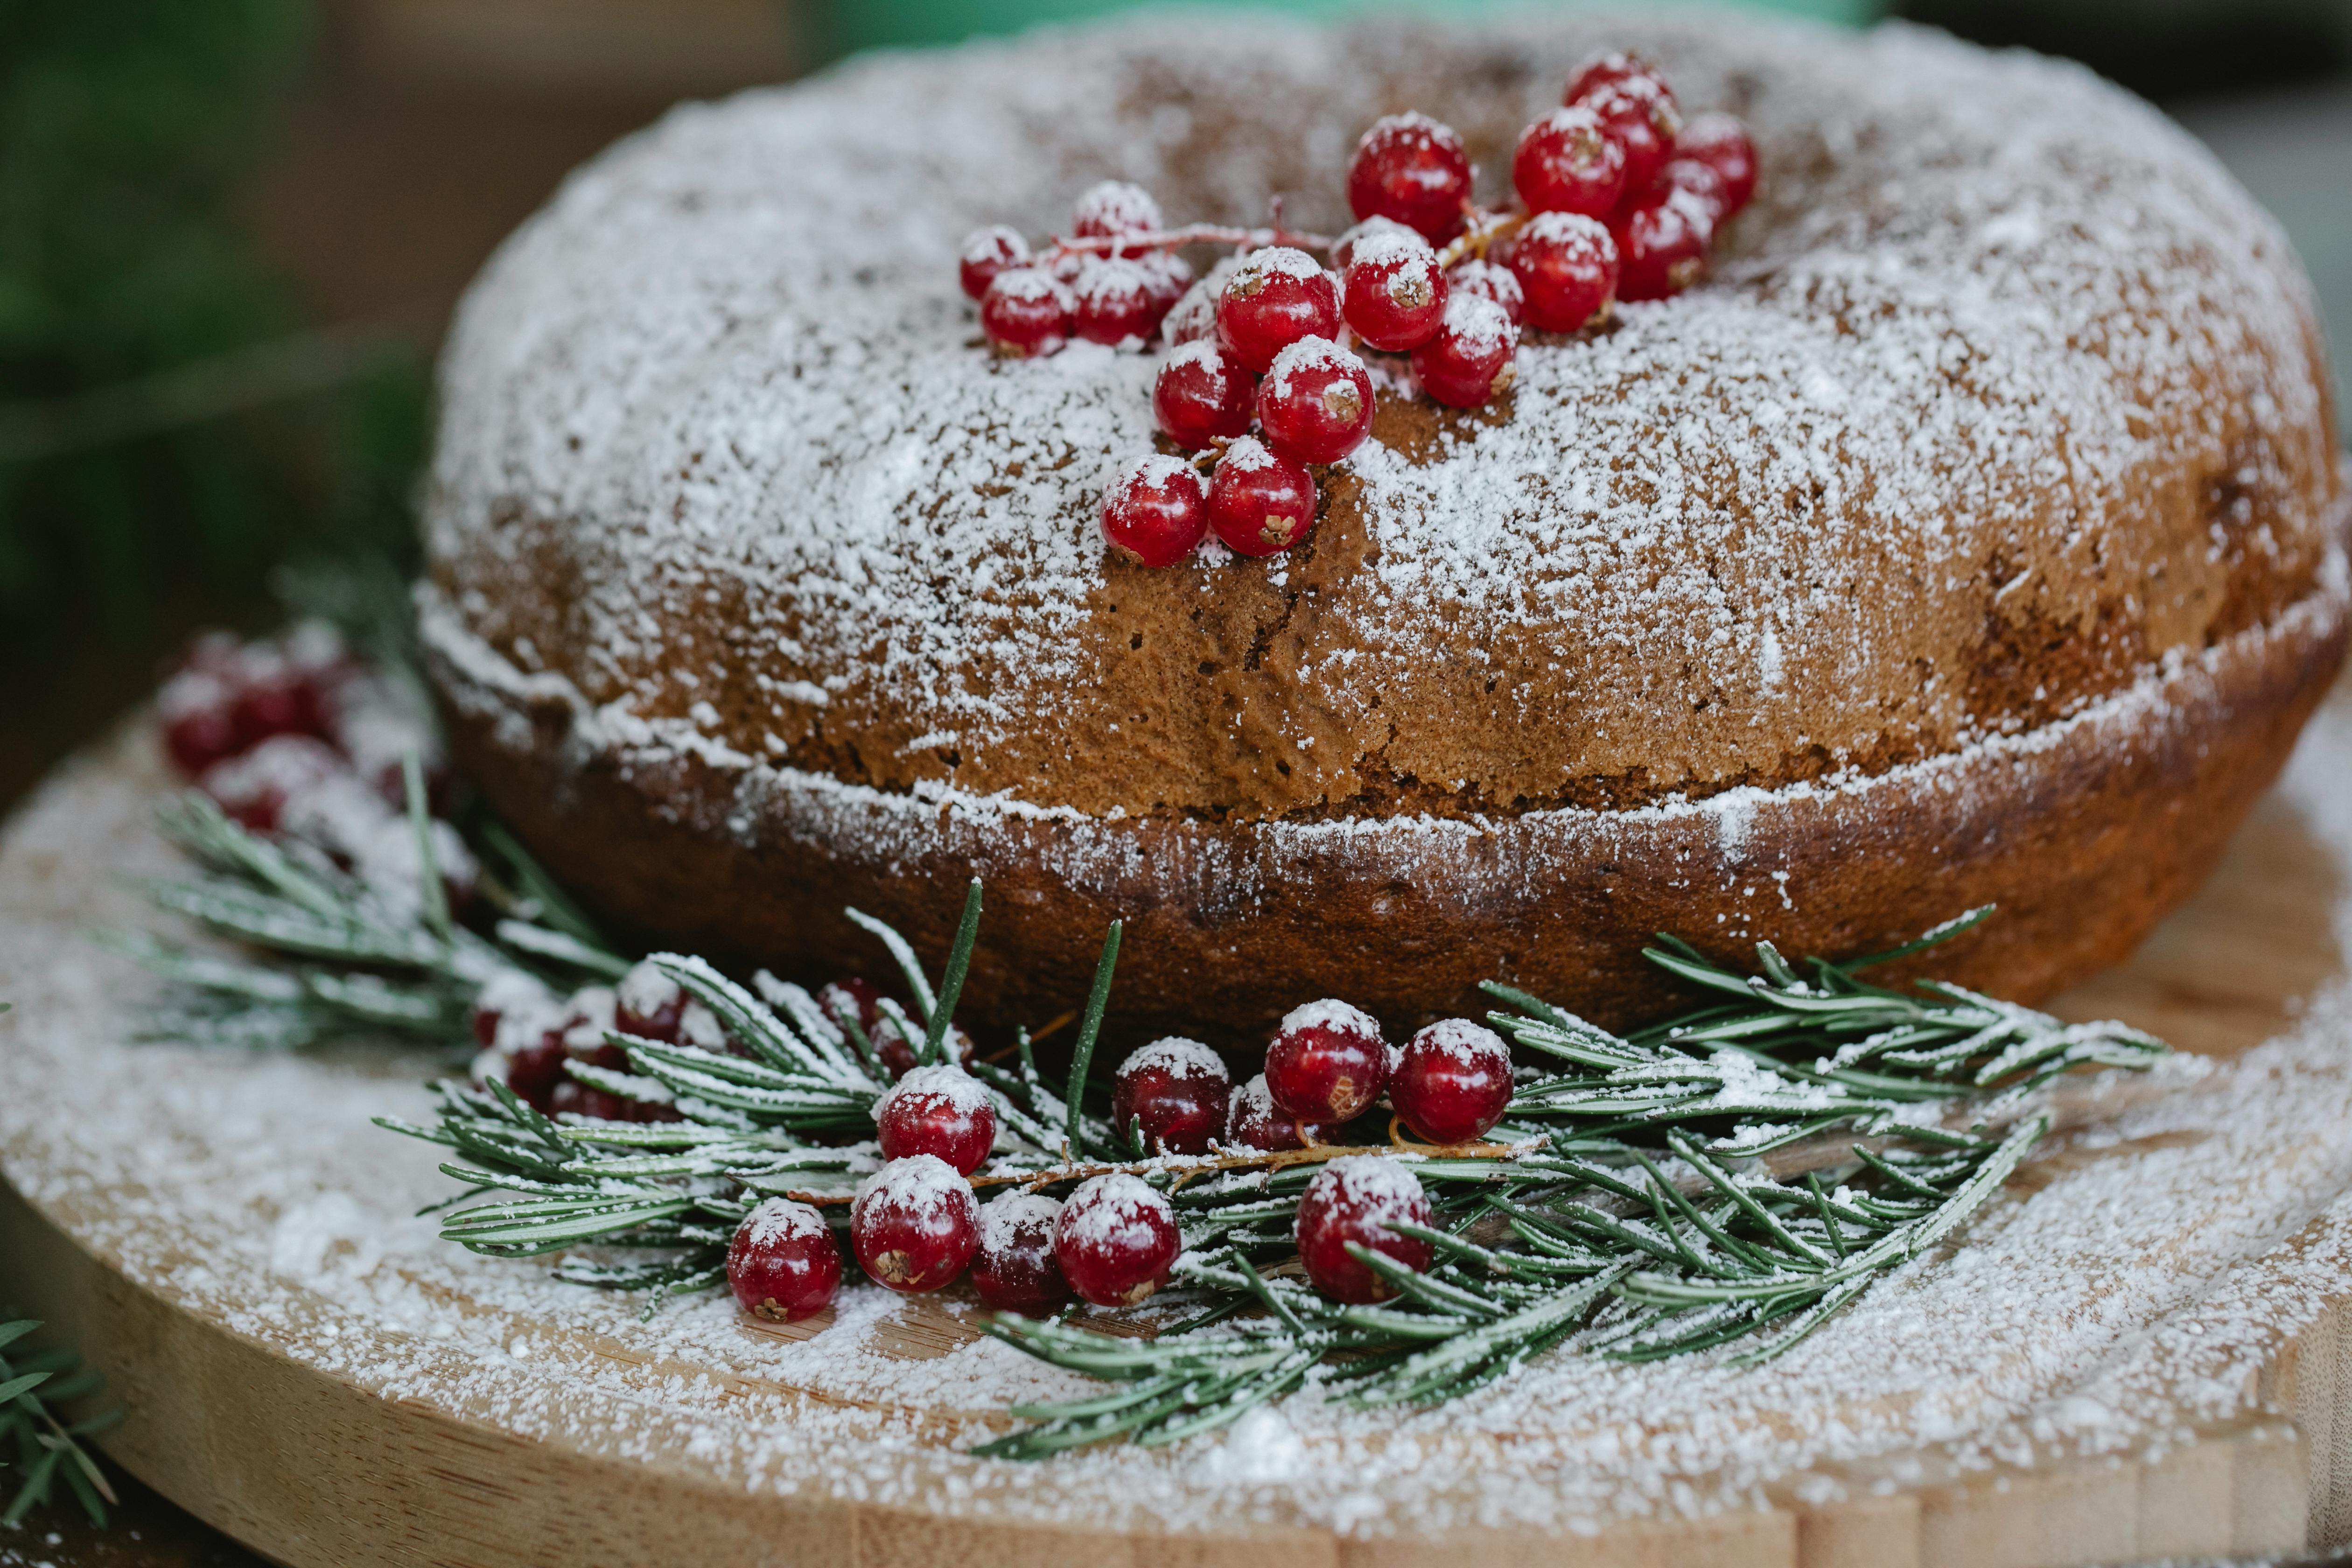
2142	1353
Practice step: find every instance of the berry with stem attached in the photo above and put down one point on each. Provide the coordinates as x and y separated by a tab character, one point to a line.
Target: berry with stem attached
1328	1062
1410	168
1112	209
1015	1270
783	1263
1356	1199
915	1224
1274	298
1567	266
1177	1091
1157	512
1116	1240
1314	404
1569	162
987	252
1392	292
1257	1122
1201	396
1470	361
1453	1082
1260	502
939	1110
1114	301
1722	143
1027	313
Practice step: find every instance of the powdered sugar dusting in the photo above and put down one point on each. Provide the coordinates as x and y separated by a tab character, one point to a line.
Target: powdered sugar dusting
1116	1212
942	1082
781	1219
1332	1014
1370	1181
1460	1040
1177	1057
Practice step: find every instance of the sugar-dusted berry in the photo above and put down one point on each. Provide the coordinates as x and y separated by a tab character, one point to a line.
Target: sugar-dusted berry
1356	1199
1662	244
939	1110
1490	280
1112	209
1254	1121
1176	1092
1606	69
1413	169
1343	249
1640	114
1027	313
783	1263
915	1224
1722	143
1453	1082
648	1003
1276	297
1016	1269
1260	502
1567	162
1567	266
1392	292
1157	512
987	252
1314	404
1113	302
1201	394
1116	1240
1328	1062
1471	361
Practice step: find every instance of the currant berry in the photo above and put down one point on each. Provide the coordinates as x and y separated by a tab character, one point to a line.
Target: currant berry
914	1225
1328	1062
1158	511
783	1263
1567	162
852	998
1274	298
1453	1082
1490	282
1471	362
1176	1090
1314	404
1116	1240
1357	1199
1721	142
509	993
1697	180
1410	168
1343	249
1114	301
1392	292
648	1003
1169	275
897	1052
1194	315
1567	266
254	787
1255	1123
987	252
1015	1270
939	1110
198	711
1027	313
1662	244
1639	112
535	1071
1606	69
1113	209
1260	502
1201	394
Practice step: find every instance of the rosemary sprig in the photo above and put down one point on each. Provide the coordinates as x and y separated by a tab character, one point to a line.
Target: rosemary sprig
43	1446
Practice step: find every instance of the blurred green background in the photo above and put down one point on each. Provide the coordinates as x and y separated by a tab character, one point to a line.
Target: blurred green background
231	232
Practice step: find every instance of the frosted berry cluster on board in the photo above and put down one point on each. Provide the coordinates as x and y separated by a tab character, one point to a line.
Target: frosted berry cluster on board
297	737
1615	197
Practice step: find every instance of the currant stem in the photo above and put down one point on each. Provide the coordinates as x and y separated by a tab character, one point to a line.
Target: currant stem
1172	238
1475	240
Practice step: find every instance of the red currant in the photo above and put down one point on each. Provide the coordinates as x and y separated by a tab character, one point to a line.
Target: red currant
852	998
1328	1062
1254	1122
1177	1091
1316	403
534	1071
1015	1270
1640	115
1394	292
253	787
1490	282
1721	142
1663	243
1114	301
1112	209
1471	362
987	252
898	1053
1413	169
1027	313
1194	315
198	711
648	1003
1260	502
1357	1199
1343	249
1274	298
1201	394
1567	162
1157	512
1606	69
939	1110
1567	266
783	1263
914	1225
1116	1240
1454	1082
1169	275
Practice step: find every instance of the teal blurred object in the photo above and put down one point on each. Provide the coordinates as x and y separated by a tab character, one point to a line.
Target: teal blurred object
870	23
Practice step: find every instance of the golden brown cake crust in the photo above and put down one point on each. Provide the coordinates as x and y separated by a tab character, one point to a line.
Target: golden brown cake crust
2004	401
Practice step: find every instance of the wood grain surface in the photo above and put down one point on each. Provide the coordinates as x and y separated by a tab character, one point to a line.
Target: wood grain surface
313	1466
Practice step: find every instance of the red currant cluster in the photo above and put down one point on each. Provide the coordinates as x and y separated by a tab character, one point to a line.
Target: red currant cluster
1617	198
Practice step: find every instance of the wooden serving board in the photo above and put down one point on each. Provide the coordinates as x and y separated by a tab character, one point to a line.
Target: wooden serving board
312	1374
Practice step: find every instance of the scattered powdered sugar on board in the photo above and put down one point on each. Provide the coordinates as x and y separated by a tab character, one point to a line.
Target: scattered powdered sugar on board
2118	1294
